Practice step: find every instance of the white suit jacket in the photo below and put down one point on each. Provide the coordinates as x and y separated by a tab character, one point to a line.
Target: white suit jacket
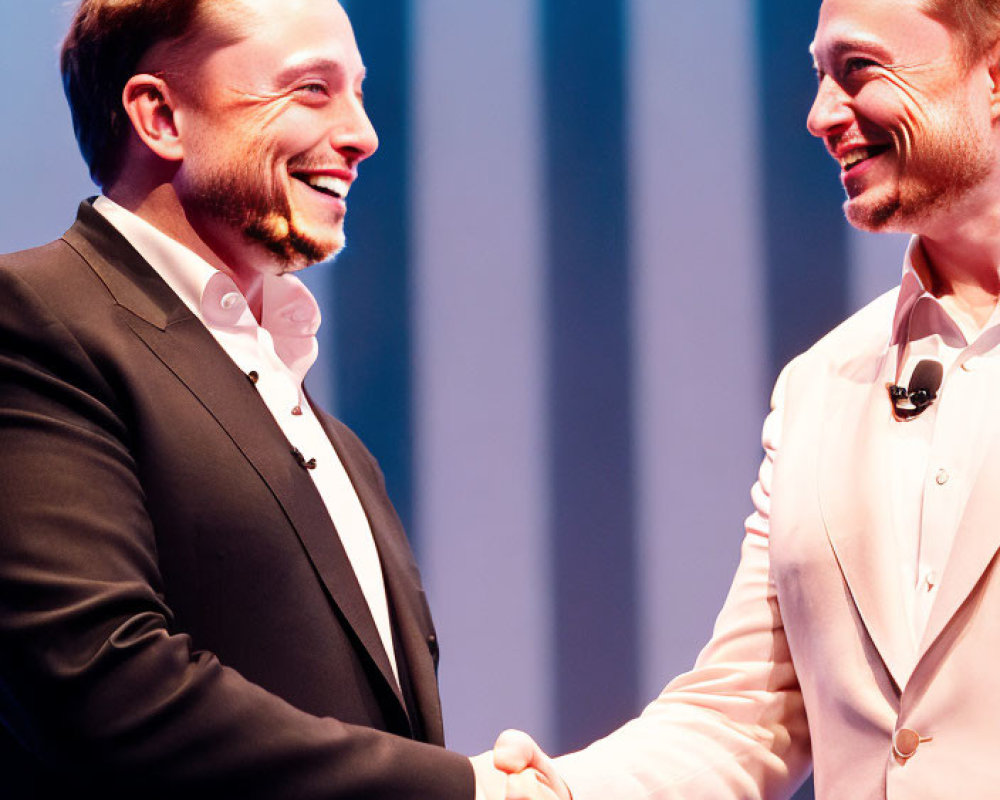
812	655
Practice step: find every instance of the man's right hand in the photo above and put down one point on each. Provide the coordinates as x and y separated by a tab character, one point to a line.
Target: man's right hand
531	774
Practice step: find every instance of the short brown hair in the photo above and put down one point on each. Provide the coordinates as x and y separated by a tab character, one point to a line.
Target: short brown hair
976	22
102	51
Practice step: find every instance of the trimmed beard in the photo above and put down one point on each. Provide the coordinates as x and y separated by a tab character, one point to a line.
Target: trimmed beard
243	197
937	173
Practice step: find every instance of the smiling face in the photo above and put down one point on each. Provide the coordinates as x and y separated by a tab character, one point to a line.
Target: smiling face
907	119
273	128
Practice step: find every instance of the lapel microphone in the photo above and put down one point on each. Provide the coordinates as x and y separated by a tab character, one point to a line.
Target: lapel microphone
924	384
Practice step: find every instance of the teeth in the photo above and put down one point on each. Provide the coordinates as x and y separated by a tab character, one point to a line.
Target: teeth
327	183
855	157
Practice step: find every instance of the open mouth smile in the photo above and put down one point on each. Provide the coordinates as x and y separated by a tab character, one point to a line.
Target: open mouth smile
860	155
325	184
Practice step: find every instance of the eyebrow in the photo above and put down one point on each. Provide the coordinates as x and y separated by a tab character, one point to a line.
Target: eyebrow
842	46
316	64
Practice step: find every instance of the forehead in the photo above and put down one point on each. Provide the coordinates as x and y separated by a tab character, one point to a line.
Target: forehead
900	28
267	37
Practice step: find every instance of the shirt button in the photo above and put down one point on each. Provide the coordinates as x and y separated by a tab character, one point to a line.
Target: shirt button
297	411
230	299
942	477
905	743
931	579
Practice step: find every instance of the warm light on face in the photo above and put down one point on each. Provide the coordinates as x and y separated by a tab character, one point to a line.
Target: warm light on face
899	110
273	141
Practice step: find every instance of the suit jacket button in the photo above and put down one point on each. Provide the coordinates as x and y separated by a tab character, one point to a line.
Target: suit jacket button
905	743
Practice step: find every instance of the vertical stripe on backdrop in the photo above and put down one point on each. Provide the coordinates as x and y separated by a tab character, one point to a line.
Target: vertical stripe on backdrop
590	431
805	241
876	263
371	297
698	301
43	175
481	493
806	245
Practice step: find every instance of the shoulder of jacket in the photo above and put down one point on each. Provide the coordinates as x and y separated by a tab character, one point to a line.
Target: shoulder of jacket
865	332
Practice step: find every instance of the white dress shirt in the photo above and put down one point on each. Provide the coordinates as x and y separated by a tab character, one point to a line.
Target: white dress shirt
278	352
930	453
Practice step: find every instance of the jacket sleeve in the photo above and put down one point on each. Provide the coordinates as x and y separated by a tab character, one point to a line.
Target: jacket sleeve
96	684
735	725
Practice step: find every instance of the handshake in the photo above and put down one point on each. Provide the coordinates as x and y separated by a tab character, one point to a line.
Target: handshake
517	769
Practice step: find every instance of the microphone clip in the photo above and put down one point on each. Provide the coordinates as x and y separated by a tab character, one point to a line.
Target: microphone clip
909	402
302	461
906	404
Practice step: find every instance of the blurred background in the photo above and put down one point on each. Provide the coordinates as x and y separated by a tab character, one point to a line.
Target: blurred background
593	233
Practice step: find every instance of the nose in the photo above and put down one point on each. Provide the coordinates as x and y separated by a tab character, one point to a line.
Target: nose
830	110
355	136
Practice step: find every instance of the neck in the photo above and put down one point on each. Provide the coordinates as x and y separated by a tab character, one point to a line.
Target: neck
962	251
161	207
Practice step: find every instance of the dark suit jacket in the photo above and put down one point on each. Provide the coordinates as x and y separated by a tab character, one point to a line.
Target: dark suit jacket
177	615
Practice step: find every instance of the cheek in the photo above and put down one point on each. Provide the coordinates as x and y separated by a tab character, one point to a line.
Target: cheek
305	130
285	148
984	116
899	107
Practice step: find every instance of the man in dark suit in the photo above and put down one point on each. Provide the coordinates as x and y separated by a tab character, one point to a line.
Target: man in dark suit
204	589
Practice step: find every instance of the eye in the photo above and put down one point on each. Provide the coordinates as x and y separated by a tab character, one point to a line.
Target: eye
856	64
314	88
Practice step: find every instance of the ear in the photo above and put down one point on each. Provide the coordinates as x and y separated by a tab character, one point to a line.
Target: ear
994	69
149	105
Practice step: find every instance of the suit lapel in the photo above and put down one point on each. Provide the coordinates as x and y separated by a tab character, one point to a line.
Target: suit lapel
230	397
402	584
977	537
854	487
407	604
857	509
372	642
188	350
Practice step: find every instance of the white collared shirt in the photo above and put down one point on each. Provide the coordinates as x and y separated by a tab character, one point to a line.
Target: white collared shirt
932	456
280	351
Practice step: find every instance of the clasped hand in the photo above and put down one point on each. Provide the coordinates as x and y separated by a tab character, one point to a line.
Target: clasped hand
517	769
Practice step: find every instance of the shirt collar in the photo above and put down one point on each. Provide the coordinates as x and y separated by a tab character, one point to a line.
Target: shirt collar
290	313
920	316
912	287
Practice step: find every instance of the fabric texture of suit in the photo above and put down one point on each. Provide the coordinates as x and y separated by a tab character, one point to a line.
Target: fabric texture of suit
177	615
812	657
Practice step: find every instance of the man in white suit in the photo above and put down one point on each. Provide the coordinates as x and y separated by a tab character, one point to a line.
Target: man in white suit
862	630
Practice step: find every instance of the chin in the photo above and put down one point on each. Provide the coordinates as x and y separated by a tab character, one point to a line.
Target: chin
318	241
875	215
294	246
299	253
323	248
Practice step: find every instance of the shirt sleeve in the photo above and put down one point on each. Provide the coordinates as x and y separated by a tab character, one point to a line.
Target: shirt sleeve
735	725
